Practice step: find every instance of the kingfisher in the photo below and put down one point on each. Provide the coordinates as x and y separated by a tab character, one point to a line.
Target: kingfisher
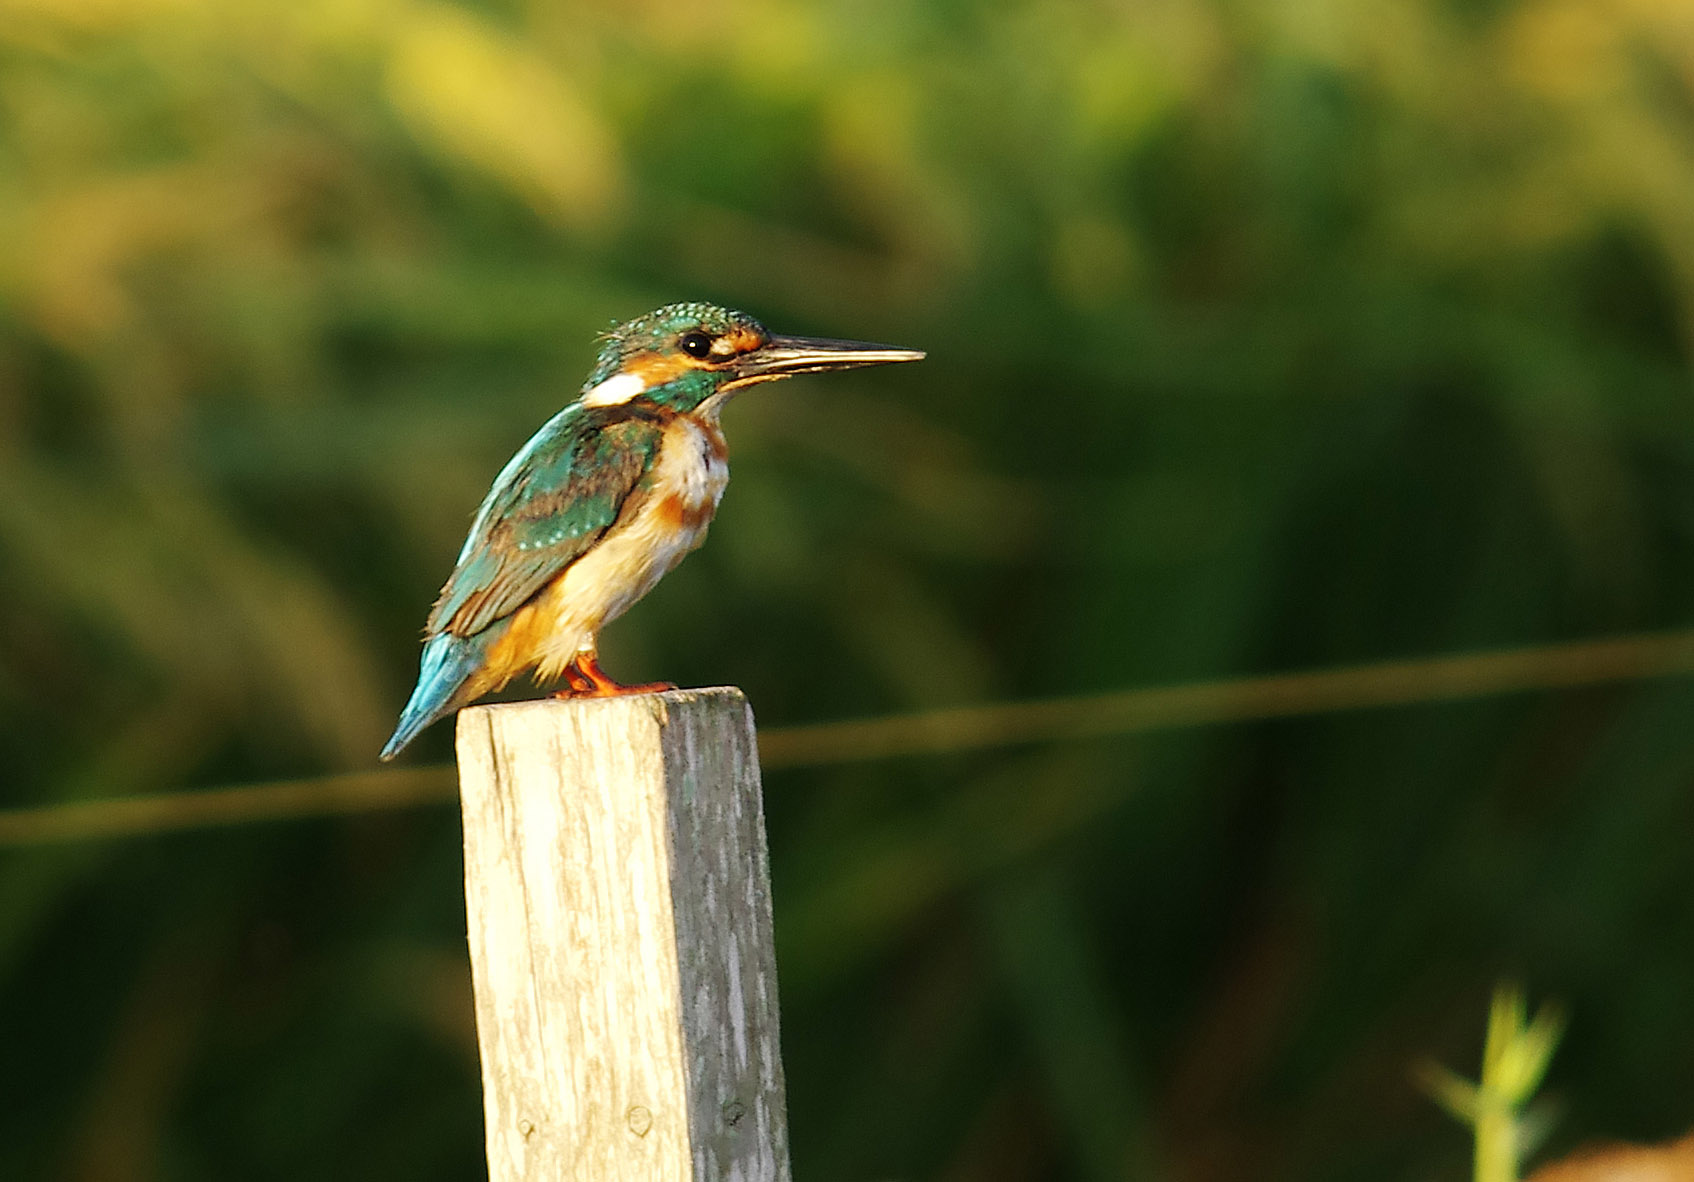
608	496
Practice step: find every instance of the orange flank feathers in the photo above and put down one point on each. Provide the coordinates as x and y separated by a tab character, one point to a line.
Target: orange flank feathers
515	652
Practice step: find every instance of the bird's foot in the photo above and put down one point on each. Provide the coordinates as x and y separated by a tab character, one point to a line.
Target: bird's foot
588	680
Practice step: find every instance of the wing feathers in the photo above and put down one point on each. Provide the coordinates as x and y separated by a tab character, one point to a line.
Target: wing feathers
566	488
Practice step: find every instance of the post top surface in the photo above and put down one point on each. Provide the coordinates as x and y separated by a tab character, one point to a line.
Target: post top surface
677	699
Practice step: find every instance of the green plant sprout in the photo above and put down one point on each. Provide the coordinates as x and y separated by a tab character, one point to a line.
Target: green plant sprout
1514	1060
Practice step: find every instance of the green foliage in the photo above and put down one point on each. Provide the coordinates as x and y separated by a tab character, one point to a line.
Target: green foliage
1260	337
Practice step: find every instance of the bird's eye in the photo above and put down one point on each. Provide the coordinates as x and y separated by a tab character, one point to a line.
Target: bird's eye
696	344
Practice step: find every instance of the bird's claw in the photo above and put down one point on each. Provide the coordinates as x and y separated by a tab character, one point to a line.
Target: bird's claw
585	679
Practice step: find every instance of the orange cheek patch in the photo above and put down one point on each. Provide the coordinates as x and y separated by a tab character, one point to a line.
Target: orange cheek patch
655	369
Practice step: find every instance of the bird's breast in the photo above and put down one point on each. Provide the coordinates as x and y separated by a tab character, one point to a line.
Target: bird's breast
691	473
659	525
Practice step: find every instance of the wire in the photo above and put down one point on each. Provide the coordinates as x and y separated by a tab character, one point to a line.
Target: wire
1389	683
348	792
935	732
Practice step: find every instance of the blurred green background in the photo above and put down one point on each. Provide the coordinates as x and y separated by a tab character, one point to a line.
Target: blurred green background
1262	337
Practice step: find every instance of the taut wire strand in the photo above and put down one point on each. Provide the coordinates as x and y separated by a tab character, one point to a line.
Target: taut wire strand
933	732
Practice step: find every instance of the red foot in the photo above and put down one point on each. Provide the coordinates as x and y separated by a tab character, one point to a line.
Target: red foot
588	680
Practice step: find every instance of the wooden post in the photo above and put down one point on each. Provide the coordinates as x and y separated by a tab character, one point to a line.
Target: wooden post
618	901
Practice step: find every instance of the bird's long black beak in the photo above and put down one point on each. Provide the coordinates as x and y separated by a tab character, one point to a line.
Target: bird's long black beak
782	357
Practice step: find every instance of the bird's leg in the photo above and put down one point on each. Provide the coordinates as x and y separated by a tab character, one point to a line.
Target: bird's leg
599	685
578	684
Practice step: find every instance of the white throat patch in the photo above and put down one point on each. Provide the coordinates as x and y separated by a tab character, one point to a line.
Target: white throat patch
614	391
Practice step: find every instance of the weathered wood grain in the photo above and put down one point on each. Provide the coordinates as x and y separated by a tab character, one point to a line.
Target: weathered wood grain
620	934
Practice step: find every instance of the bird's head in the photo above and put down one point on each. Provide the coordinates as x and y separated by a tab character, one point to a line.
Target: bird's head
689	357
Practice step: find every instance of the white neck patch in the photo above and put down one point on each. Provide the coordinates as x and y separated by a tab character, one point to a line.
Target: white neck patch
614	391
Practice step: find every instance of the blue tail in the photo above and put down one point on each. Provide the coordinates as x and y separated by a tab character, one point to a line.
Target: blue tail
447	666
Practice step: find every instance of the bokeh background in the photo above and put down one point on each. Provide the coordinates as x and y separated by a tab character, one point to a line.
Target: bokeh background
1263	337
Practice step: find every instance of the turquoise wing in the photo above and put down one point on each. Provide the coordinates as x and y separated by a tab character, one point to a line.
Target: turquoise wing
563	489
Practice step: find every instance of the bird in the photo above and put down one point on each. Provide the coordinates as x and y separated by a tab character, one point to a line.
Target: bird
608	496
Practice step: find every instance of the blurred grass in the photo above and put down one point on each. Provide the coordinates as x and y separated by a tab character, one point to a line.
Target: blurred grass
1261	339
1514	1060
